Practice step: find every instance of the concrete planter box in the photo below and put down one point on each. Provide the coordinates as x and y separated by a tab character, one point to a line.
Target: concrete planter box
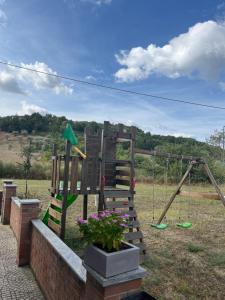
111	264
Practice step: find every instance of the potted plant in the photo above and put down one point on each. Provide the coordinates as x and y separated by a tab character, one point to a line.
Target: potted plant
106	252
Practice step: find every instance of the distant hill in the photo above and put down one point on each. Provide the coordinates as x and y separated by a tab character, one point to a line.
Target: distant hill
15	131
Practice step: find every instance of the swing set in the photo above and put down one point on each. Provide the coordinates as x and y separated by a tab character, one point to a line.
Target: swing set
192	161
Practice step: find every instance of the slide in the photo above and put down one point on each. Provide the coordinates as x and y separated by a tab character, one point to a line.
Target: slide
70	200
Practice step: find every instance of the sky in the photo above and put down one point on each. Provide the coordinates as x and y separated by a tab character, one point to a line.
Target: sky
173	48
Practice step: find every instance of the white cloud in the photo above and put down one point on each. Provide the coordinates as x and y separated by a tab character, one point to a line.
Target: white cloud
98	2
199	52
8	83
11	78
180	134
3	17
90	77
222	85
29	109
43	81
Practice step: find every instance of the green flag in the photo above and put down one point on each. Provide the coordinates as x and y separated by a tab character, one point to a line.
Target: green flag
69	135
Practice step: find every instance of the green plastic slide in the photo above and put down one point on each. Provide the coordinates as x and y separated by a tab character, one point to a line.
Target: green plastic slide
70	200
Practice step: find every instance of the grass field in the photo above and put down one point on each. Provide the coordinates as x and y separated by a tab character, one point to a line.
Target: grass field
181	263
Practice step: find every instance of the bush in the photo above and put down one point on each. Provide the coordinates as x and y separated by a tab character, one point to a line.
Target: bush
38	171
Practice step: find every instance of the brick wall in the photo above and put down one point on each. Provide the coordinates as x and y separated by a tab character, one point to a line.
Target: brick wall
95	290
0	201
15	217
57	268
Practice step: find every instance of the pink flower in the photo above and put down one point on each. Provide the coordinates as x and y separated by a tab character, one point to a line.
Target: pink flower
123	225
125	216
94	216
81	221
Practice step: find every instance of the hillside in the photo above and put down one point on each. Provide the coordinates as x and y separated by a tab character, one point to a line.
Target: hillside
16	131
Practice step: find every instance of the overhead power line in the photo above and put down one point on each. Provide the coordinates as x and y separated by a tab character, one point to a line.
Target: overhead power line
114	88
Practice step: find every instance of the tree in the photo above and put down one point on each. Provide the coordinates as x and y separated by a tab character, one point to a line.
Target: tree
26	164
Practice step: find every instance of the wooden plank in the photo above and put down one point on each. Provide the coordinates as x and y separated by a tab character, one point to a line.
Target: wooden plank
122	140
168	155
123	182
85	207
54	179
119	204
55	227
58	173
117	194
123	173
130	236
56	202
124	135
142	246
74	175
131	213
65	189
134	224
55	214
213	181
200	195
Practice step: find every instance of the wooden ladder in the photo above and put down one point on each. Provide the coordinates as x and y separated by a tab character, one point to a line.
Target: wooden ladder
124	201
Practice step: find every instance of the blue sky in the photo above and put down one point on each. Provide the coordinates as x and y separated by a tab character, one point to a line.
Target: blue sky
173	48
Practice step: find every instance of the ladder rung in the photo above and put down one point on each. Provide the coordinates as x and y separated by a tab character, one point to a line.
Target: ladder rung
119	204
55	214
56	202
130	236
117	194
116	161
133	224
141	246
55	227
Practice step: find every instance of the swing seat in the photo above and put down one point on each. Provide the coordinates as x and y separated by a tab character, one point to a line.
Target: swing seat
184	225
159	226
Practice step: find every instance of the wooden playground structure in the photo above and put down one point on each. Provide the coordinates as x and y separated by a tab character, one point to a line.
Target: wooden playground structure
101	173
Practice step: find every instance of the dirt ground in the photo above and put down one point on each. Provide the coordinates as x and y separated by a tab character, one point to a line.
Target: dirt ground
181	263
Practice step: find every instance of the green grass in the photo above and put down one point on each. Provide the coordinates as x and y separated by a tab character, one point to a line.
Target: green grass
194	248
217	259
182	264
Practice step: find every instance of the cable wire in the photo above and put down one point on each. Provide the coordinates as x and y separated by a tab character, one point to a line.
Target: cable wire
114	88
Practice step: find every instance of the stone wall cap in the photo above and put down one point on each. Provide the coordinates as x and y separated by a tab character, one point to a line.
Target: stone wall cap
9	181
16	200
69	256
9	185
29	201
121	278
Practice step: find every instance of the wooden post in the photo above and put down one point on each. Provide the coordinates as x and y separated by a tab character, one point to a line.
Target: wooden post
102	169
176	192
54	169
65	189
213	181
85	206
